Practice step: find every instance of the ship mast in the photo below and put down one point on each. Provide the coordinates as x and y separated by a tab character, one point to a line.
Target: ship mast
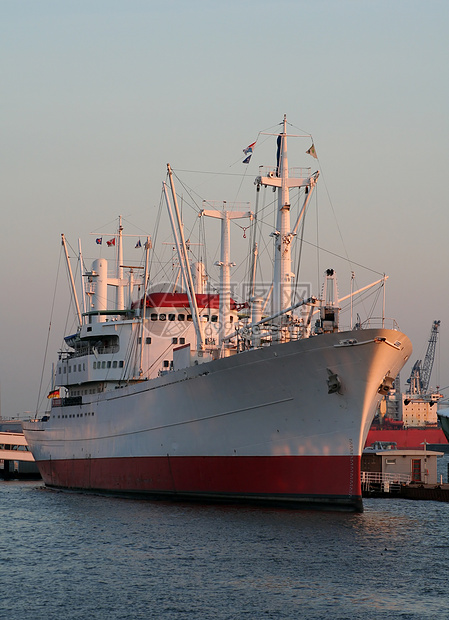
282	255
72	282
144	305
283	235
225	264
120	286
178	235
83	295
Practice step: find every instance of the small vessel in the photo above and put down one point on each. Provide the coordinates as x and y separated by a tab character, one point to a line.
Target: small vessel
188	394
16	461
443	418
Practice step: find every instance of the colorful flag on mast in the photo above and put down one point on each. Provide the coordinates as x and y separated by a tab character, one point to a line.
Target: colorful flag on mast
111	242
53	394
138	244
312	151
248	151
99	240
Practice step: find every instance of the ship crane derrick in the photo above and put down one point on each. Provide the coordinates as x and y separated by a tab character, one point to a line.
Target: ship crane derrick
422	369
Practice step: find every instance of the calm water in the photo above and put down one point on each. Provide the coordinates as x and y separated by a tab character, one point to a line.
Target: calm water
69	556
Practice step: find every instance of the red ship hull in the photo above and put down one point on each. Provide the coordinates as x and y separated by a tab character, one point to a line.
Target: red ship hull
283	479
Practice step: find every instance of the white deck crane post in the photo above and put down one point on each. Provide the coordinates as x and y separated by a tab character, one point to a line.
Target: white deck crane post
224	264
178	234
72	282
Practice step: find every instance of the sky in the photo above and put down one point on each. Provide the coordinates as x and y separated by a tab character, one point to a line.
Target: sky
98	95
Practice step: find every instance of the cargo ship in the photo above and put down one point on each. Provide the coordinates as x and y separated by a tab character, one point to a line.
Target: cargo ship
411	419
186	394
433	437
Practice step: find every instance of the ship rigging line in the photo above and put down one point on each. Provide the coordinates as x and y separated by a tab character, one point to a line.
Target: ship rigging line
314	245
334	214
229	174
301	245
49	331
317	241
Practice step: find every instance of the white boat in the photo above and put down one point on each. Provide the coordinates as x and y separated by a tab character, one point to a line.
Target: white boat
15	458
189	395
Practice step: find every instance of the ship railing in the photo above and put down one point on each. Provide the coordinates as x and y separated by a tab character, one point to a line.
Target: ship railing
90	351
378	321
68	401
384	482
296	173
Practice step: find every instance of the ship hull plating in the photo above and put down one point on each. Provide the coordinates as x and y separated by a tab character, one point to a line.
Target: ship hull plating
282	481
260	426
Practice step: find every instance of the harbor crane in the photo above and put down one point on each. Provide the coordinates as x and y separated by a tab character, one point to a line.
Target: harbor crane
420	376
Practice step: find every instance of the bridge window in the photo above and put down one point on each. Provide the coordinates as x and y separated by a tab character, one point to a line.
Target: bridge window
162	317
154	317
148	340
182	341
214	318
172	317
114	364
181	317
189	317
174	341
